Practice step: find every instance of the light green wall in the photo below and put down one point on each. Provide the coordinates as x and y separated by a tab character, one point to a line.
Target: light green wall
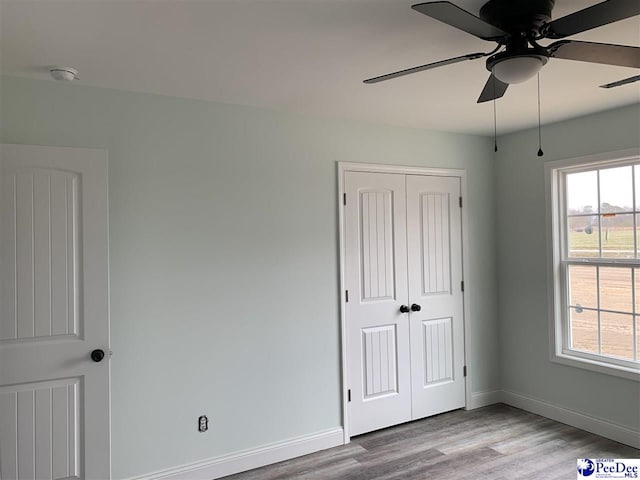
522	273
224	260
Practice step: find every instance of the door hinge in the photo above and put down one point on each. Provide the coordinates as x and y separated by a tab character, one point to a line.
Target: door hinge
346	296
460	198
344	198
462	285
349	395
464	371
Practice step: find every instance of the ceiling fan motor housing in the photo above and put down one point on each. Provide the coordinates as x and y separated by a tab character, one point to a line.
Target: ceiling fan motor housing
517	16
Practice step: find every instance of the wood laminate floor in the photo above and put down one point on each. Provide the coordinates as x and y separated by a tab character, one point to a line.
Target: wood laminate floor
492	443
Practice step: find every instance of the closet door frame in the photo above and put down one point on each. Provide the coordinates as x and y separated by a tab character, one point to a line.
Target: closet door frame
382	168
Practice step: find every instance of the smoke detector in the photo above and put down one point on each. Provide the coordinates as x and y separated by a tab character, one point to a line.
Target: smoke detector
64	74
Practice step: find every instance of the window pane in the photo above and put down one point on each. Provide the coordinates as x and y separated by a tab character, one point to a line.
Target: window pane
584	330
616	189
637	285
583	236
582	192
638	232
637	338
617	235
636	172
583	289
617	335
615	289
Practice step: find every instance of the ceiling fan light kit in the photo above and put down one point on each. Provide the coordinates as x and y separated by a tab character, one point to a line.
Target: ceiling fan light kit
517	69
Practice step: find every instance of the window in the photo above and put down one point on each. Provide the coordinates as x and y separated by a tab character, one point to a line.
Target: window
595	243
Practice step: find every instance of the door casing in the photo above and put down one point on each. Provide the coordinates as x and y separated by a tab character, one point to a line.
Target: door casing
382	168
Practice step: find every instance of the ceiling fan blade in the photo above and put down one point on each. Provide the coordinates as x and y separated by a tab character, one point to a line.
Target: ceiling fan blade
428	66
455	16
607	53
493	89
595	16
619	83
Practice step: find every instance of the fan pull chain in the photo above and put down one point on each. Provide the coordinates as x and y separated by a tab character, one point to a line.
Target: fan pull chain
540	152
495	123
495	128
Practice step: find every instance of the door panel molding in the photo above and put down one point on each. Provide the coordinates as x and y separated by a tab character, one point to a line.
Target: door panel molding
438	362
380	361
377	255
434	231
342	168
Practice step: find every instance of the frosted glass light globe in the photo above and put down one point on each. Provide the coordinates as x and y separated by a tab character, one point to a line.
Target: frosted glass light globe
518	69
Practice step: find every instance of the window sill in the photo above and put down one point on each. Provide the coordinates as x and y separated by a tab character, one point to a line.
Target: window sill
596	366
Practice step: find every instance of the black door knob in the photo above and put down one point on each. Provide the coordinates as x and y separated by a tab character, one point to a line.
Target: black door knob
404	309
97	355
415	307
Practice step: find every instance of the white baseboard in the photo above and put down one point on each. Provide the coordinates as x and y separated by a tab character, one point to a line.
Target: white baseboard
253	458
601	427
483	399
230	464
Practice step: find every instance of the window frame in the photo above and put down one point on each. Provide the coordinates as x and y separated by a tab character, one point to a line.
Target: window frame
559	334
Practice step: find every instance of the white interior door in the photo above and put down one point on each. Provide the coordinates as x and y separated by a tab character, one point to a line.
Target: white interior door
54	399
376	276
434	240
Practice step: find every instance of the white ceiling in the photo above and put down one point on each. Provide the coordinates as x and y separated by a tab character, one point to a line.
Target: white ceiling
305	56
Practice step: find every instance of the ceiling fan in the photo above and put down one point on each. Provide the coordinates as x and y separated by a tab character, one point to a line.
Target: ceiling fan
517	27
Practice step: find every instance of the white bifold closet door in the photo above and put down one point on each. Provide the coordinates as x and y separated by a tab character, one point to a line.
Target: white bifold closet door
404	314
54	398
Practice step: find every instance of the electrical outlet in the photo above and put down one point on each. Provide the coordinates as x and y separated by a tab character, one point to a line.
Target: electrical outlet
203	423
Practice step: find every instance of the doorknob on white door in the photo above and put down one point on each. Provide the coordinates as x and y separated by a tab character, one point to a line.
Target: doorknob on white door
404	309
97	355
415	307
